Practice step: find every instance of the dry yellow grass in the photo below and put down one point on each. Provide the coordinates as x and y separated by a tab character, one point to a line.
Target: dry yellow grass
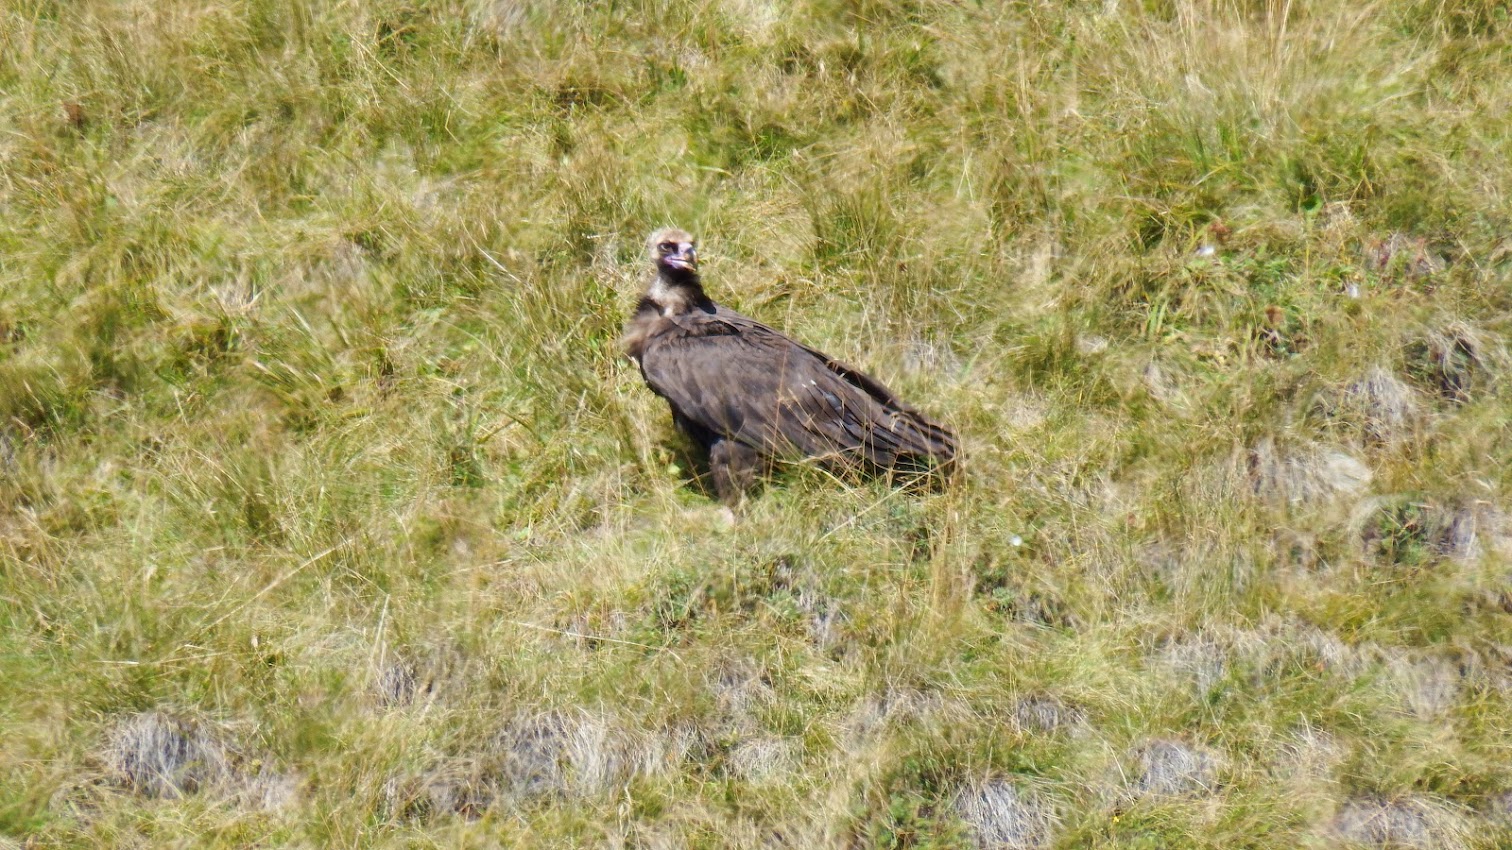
331	516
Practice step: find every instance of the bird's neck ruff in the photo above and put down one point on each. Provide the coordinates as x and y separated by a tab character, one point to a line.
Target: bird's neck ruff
675	294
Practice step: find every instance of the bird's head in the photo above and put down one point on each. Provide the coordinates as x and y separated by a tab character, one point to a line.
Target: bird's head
674	252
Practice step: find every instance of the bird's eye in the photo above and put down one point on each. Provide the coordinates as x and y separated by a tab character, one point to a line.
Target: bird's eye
667	247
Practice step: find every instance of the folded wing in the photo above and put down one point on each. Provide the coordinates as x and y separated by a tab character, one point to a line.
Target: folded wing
746	382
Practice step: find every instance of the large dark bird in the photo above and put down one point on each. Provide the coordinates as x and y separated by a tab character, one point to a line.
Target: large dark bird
750	396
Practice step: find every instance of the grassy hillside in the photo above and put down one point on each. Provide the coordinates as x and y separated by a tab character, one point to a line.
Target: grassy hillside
331	516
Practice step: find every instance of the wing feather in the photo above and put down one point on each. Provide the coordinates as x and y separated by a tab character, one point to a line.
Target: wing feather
744	381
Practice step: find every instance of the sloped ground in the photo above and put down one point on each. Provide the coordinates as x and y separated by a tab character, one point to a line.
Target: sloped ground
330	515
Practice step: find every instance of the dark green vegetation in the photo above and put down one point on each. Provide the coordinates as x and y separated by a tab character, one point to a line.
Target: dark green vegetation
330	515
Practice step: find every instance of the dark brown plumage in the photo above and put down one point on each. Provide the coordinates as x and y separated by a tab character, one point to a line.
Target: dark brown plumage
750	396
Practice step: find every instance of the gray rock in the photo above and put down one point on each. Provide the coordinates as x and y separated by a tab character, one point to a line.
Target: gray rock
159	755
1170	768
1002	816
1412	822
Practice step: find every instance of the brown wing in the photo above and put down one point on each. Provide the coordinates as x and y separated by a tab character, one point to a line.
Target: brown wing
745	381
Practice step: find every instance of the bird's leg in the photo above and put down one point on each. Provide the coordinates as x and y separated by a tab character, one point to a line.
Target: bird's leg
733	466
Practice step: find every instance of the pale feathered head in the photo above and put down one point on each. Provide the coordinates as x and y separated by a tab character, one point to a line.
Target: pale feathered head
674	251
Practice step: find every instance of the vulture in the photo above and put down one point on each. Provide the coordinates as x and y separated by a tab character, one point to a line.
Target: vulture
751	397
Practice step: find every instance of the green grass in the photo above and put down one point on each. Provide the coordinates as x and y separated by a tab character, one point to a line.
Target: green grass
331	514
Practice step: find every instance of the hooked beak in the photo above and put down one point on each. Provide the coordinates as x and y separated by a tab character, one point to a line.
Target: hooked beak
685	259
